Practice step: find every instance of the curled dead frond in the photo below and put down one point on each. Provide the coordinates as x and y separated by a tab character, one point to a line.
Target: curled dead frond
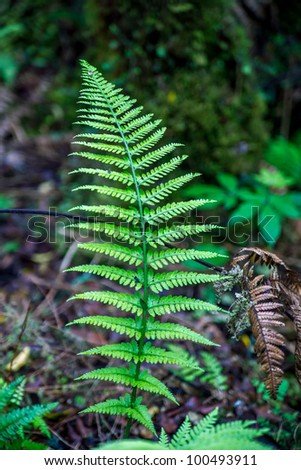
274	297
265	317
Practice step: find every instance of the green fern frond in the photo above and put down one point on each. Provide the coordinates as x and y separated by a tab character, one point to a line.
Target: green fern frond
12	424
128	117
15	421
18	394
191	368
181	438
163	439
124	407
129	125
205	435
121	137
40	424
213	374
209	436
207	423
229	436
9	392
106	137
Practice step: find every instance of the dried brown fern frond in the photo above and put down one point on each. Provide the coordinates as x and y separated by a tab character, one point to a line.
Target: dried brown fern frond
297	322
274	298
265	317
253	256
292	308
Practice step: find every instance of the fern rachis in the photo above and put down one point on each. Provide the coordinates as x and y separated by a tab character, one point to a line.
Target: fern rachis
128	141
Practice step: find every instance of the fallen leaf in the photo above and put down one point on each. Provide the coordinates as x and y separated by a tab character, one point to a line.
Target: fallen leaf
20	360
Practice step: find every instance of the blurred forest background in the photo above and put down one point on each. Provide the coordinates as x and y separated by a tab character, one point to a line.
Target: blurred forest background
225	77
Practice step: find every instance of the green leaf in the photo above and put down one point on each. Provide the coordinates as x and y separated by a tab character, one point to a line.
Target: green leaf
269	225
283	204
207	191
255	199
245	211
229	182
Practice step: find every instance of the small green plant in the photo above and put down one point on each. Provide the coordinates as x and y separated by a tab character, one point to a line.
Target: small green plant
205	435
211	372
284	423
125	142
214	374
286	156
16	422
260	203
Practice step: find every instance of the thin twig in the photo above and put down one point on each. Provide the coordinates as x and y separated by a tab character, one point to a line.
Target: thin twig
46	213
88	219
